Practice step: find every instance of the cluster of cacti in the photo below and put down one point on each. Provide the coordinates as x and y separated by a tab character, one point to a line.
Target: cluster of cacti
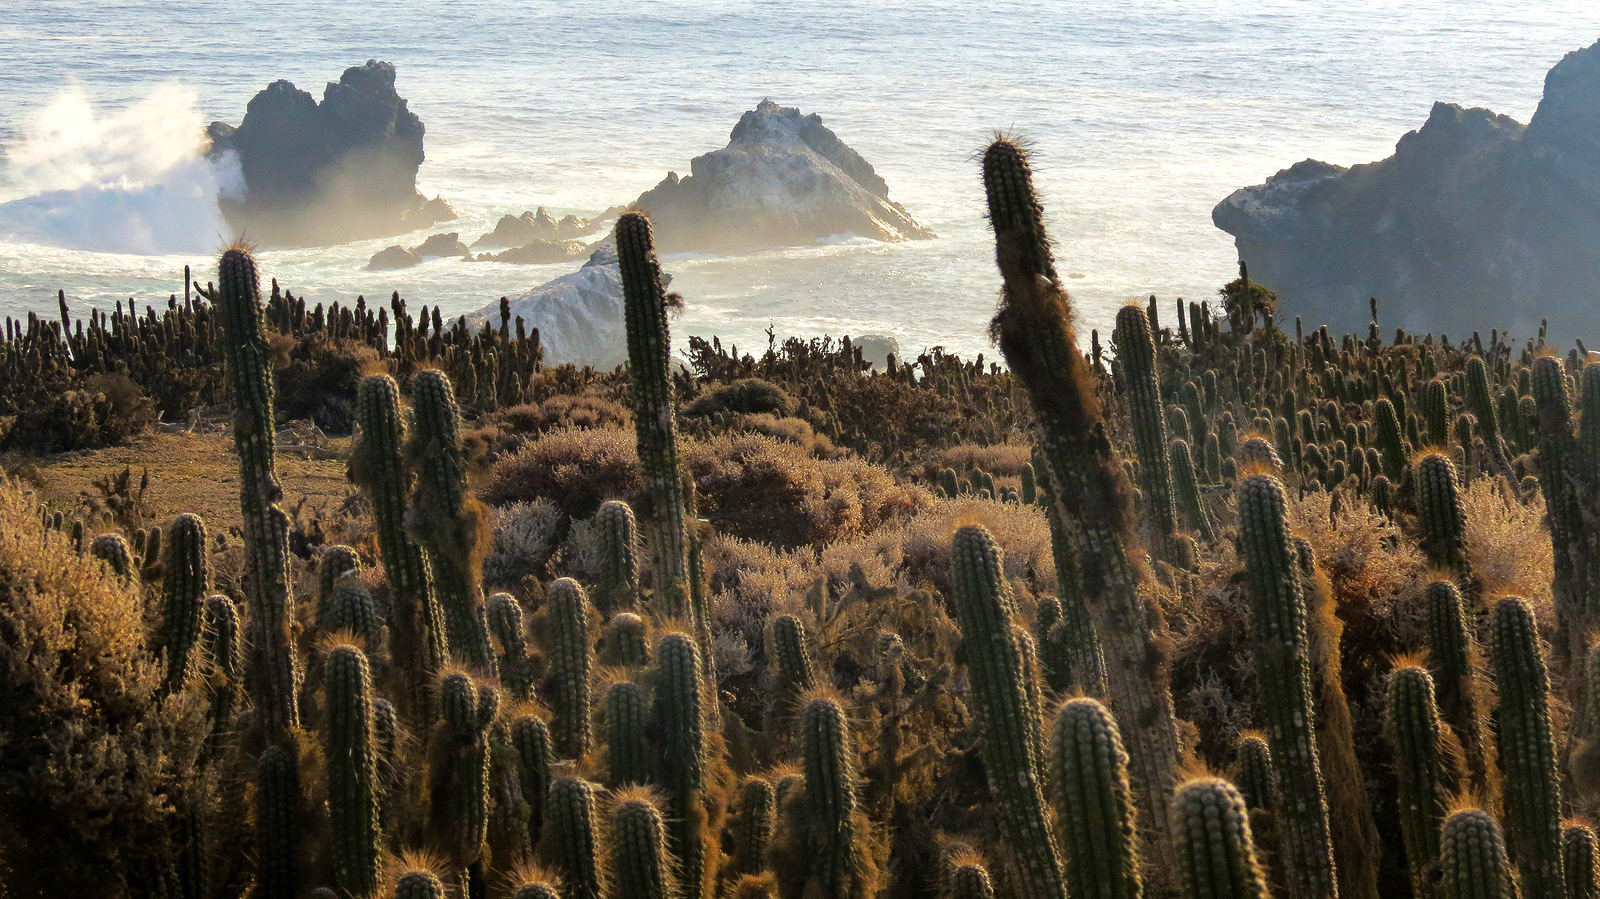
986	731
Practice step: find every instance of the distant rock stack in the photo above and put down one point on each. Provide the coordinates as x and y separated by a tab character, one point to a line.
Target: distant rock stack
1474	218
783	180
331	172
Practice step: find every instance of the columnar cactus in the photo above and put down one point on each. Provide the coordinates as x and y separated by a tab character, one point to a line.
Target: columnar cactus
278	824
352	771
419	884
649	351
1481	402
1089	778
618	588
1283	667
792	676
1091	495
1389	440
182	590
1565	484
1426	783
1527	749
223	647
679	723
1136	355
627	726
505	624
753	824
1440	514
530	740
447	520
641	867
1187	487
461	777
1580	855
1082	662
417	634
1472	859
570	842
624	643
350	609
836	864
1434	405
1452	653
275	670
1215	850
113	549
570	659
1010	745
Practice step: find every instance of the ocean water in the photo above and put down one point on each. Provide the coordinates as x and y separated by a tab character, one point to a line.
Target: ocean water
1142	114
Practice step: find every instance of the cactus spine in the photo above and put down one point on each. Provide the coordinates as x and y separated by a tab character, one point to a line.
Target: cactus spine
183	589
1093	803
274	666
1527	750
352	771
1215	850
1283	666
570	661
418	640
649	351
1090	492
1472	859
1012	754
448	520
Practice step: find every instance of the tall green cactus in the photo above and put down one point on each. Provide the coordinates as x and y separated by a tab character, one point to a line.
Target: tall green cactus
679	713
505	624
419	884
1389	440
1187	487
1253	772
837	865
792	675
1012	754
1453	653
417	635
113	549
1580	853
278	823
1089	775
1472	859
570	659
618	588
1565	484
625	643
275	669
649	352
1215	849
447	520
1481	402
753	825
183	589
570	842
627	728
1089	490
352	771
223	646
1440	515
530	740
1426	783
1136	355
1283	669
1532	790
460	815
641	866
1434	405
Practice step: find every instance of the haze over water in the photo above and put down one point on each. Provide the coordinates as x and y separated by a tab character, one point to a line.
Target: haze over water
1143	116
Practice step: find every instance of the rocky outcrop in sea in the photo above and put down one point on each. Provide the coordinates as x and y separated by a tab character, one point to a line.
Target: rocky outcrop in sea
331	172
784	179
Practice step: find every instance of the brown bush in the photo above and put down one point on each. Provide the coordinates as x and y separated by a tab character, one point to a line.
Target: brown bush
999	459
574	468
565	411
93	758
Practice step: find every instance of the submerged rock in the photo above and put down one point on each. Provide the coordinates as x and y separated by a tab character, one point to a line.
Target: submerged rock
1475	218
783	180
579	315
331	172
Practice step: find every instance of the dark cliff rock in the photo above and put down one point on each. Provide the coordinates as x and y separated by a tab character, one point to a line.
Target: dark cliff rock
331	172
783	180
1475	218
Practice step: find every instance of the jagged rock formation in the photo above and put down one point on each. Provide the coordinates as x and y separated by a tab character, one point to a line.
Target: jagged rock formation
521	230
1474	218
538	252
443	245
783	180
579	315
331	172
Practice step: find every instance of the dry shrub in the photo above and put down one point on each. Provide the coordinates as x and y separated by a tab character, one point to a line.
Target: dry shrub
746	395
999	458
565	411
753	486
574	468
525	535
797	431
92	757
1509	546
